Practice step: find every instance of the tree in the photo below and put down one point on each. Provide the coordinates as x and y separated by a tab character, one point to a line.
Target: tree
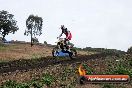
7	24
34	26
45	43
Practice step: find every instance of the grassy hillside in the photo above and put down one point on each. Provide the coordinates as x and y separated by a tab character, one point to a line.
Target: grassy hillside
16	51
32	71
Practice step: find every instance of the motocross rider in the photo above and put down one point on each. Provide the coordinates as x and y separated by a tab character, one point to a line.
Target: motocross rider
68	35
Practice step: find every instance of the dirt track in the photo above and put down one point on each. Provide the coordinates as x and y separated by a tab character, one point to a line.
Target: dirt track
26	64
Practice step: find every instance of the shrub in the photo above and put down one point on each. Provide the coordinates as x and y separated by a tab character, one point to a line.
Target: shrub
9	84
129	50
89	70
47	79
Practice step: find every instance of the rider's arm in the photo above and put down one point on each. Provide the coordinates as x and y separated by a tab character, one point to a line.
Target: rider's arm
60	35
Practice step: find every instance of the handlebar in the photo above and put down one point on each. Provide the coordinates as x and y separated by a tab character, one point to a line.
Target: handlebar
59	39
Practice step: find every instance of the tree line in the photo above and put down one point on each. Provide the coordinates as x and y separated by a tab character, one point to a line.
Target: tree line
9	25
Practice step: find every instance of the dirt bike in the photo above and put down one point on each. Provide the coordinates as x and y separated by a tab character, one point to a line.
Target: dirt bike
62	50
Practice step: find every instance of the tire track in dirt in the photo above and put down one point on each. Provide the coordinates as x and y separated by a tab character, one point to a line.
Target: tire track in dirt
25	64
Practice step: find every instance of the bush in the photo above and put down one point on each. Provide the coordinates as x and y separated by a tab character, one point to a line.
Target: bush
14	84
9	84
36	84
89	70
124	71
35	40
47	79
130	62
129	50
45	43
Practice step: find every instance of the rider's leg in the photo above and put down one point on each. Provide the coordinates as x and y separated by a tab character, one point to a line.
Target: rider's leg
65	42
66	45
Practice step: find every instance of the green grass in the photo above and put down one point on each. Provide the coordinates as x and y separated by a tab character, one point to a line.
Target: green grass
88	69
3	61
123	66
14	84
35	83
3	47
47	79
108	86
35	56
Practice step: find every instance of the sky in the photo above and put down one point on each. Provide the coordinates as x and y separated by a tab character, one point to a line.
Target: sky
93	23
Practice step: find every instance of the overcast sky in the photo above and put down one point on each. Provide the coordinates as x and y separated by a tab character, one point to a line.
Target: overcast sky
93	23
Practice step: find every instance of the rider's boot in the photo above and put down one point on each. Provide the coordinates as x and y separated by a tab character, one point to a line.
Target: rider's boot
70	54
67	48
63	51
